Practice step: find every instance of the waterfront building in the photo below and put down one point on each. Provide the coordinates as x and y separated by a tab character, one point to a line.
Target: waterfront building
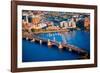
72	23
87	23
36	20
64	24
26	26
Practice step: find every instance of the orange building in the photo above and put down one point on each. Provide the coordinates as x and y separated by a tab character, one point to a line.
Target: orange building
35	20
87	23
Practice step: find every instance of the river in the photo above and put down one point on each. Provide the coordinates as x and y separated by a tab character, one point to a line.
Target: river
33	52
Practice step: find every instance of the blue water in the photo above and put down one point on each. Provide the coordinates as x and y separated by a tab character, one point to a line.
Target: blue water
32	52
77	38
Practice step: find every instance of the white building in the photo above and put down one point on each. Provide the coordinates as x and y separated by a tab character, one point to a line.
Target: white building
64	24
72	23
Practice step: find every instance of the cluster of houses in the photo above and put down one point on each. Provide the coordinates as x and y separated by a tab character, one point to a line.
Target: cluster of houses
36	20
